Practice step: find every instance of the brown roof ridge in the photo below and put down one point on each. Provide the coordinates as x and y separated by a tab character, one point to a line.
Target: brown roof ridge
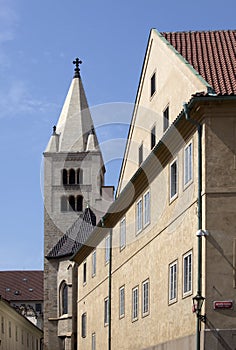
199	31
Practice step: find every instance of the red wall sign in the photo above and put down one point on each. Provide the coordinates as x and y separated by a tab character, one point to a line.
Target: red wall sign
228	304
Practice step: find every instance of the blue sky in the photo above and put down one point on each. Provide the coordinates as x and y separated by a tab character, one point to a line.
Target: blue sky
38	42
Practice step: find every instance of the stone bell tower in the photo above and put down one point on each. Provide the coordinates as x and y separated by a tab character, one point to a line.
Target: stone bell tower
73	194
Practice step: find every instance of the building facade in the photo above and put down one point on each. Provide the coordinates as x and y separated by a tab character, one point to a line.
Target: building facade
168	241
17	332
74	199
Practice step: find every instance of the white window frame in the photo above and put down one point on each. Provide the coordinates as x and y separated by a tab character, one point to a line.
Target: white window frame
187	273
139	215
146	208
122	302
135	303
106	311
173	270
94	262
84	325
93	341
174	195
85	273
188	164
122	233
145	297
107	248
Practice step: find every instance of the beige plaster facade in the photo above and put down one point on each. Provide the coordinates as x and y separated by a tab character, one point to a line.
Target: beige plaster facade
157	267
16	331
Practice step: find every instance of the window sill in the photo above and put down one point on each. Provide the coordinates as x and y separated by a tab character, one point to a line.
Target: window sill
172	301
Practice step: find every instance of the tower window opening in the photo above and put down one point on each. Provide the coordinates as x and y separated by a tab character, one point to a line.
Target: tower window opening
71	203
64	177
79	203
79	176
71	176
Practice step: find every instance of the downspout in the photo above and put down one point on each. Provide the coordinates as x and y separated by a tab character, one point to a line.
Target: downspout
199	204
109	292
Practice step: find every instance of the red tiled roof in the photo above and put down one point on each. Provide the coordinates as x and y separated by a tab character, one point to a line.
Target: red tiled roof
21	285
212	54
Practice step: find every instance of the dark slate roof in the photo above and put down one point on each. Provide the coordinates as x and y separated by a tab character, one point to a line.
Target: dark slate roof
75	236
212	54
21	285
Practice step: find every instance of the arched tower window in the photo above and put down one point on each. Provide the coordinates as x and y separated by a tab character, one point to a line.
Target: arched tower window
71	203
63	203
79	203
79	176
71	176
63	295
64	177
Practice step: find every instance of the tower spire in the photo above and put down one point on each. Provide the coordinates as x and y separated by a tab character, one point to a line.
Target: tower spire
77	62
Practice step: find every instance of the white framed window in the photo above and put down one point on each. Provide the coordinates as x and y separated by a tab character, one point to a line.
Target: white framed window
106	311
84	272
94	341
140	154
135	303
188	163
107	249
122	233
153	84
153	136
94	262
166	119
139	215
173	179
187	273
173	282
146	214
83	325
145	298
122	302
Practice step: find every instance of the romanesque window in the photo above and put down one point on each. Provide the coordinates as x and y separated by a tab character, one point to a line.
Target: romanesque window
63	203
71	177
71	203
64	177
79	203
79	176
63	295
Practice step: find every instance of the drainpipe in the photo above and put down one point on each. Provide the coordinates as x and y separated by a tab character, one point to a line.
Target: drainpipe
109	292
199	236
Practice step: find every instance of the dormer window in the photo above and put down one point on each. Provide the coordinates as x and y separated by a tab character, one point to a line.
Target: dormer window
153	84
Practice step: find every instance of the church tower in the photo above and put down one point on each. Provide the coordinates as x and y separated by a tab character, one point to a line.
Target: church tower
73	202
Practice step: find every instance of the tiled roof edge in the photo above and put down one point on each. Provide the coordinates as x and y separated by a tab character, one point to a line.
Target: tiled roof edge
199	76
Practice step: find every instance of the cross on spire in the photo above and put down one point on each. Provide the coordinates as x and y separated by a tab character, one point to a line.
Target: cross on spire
77	62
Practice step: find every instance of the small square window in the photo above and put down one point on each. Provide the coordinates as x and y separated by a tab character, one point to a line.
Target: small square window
166	118
173	179
153	84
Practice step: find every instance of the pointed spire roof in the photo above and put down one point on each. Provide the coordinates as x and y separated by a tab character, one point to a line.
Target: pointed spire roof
75	121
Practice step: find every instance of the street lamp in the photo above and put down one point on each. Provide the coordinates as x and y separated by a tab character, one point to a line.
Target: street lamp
198	301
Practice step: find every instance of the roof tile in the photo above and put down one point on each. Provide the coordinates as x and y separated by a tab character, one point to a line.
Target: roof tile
212	54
